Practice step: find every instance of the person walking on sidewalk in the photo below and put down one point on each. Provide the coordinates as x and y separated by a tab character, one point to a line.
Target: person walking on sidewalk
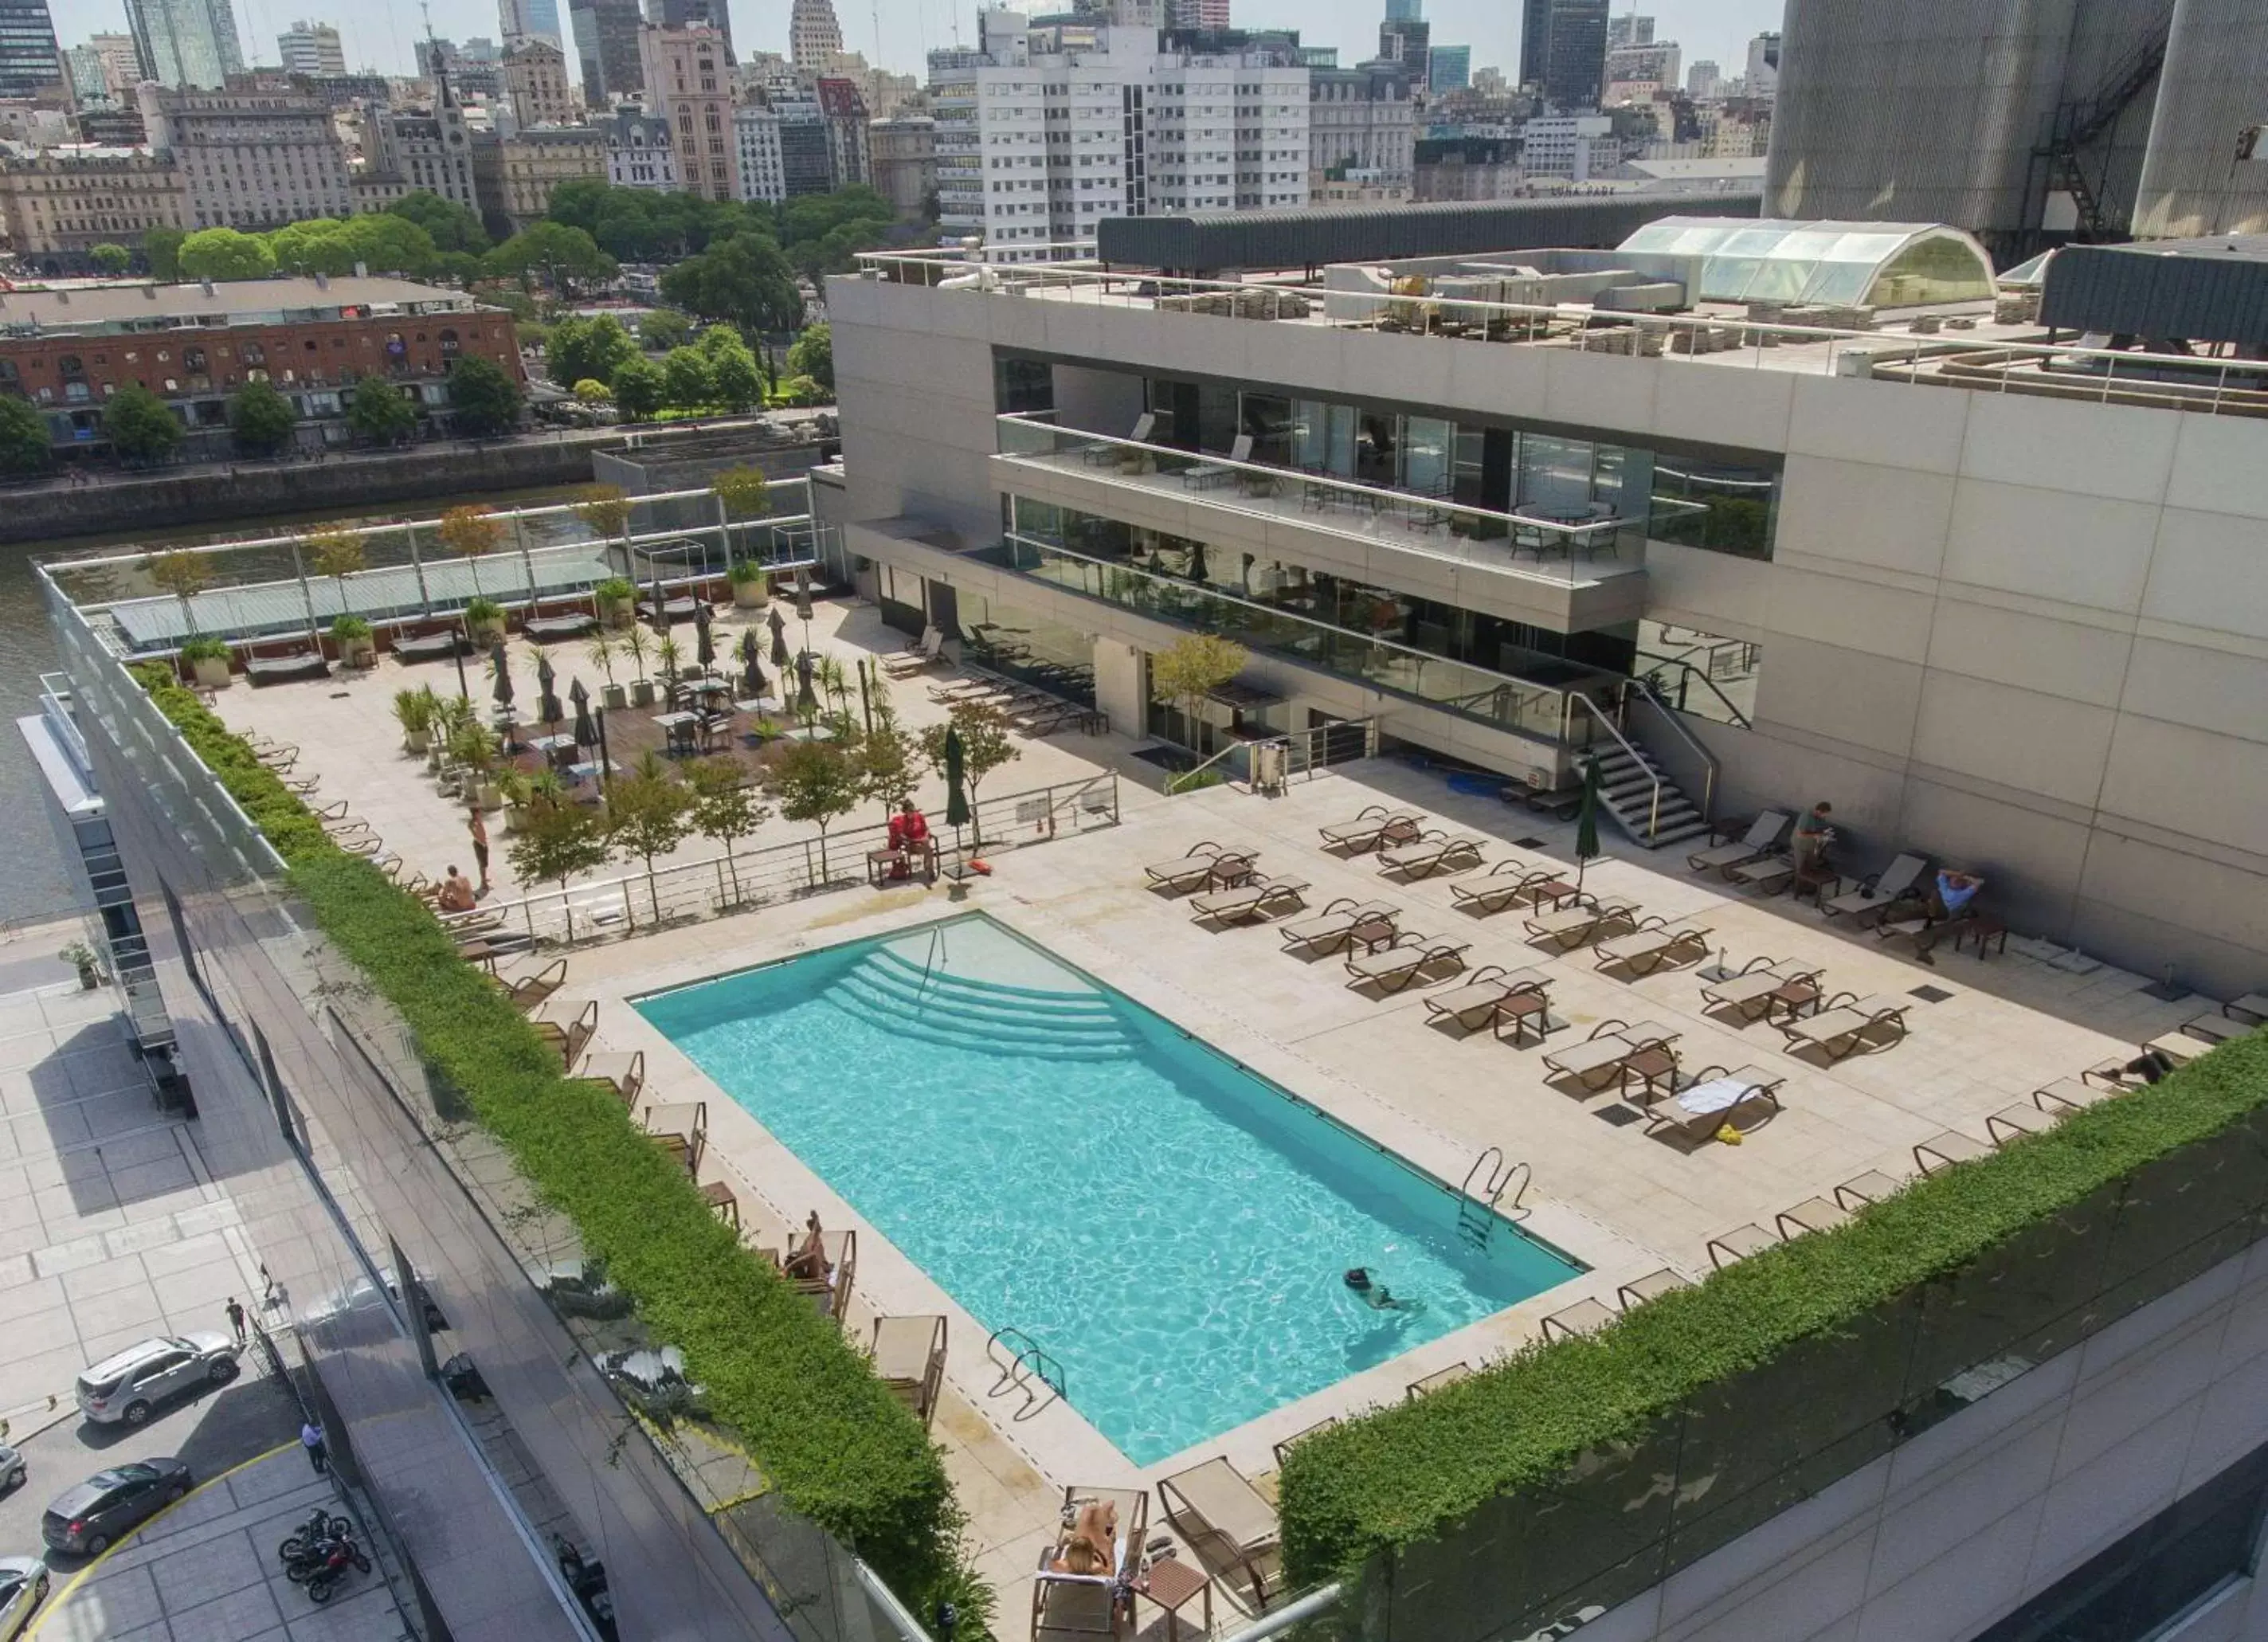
479	831
236	1318
311	1439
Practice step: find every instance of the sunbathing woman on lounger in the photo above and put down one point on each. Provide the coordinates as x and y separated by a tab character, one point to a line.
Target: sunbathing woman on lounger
809	1259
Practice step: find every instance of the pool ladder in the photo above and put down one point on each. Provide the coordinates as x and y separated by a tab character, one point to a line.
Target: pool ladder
1028	1368
1478	1210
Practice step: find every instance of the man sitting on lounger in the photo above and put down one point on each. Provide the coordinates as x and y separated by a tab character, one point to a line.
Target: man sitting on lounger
1954	891
457	893
809	1258
1373	1294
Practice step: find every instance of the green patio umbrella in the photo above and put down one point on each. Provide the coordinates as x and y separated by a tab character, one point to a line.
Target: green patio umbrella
957	813
1587	821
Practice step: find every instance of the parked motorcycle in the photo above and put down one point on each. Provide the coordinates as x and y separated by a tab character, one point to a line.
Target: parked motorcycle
324	1565
319	1527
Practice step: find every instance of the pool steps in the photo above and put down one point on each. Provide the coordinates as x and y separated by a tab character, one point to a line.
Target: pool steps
887	991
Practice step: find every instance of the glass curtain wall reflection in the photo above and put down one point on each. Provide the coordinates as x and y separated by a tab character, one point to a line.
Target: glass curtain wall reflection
1021	645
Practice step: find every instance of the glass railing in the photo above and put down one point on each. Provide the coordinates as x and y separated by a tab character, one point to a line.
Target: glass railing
1570	541
1539	711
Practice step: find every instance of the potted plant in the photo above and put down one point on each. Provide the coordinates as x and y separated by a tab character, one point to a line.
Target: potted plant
474	745
81	958
208	661
485	620
667	655
752	585
638	641
603	652
516	788
414	710
616	600
450	714
351	634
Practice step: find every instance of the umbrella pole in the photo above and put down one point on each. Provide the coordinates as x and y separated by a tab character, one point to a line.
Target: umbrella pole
604	762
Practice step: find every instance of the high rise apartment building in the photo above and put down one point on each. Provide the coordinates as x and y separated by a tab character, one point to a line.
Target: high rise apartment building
183	43
535	82
1037	144
814	36
1656	62
756	135
714	14
29	60
688	81
519	20
607	50
1196	14
902	152
1630	29
1562	51
1448	68
1703	81
1406	40
311	49
842	111
249	159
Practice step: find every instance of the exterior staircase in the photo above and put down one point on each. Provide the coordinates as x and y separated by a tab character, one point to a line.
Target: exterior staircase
1627	779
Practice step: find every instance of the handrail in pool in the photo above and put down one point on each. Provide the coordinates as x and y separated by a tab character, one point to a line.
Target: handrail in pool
1029	1361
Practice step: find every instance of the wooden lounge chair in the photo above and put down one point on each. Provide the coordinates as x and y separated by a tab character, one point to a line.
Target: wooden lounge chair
527	991
624	1074
1439	1378
1216	1504
569	1041
1757	843
1584	917
1654	942
1084	1605
1896	882
1256	898
1484	993
1430	852
1711	1101
1511	883
1205	863
1343	923
909	1355
1847	1021
1598	1060
1374	828
831	1291
1751	992
1397	963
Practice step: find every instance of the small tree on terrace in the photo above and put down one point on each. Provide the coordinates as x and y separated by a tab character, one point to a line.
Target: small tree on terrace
648	814
472	530
1186	673
725	808
888	764
336	551
742	492
984	747
817	782
606	509
183	574
557	839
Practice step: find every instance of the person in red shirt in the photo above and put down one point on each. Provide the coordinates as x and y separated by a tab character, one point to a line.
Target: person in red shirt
909	835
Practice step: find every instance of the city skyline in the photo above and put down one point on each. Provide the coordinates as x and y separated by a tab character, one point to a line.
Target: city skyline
380	37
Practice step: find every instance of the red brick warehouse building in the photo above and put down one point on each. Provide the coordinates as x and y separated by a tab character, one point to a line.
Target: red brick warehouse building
312	339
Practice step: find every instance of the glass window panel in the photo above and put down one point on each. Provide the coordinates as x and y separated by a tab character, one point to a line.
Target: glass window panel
1425	454
1726	278
1762	240
1554	472
1843	282
1778	279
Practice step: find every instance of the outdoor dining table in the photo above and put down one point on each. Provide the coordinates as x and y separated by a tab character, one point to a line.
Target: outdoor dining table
558	750
679	727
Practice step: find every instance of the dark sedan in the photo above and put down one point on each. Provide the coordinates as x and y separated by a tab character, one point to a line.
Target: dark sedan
87	1519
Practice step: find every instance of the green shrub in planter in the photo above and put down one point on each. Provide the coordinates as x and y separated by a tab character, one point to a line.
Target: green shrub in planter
207	657
351	634
415	710
485	620
616	597
752	584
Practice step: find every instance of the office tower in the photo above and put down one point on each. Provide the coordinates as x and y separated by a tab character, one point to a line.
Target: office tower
812	33
1448	68
29	61
1703	81
688	83
709	14
311	49
1563	50
1405	41
529	19
184	43
1764	65
1405	10
607	50
535	80
1630	29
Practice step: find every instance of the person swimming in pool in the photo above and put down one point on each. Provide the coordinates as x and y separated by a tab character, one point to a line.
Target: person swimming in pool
1374	1295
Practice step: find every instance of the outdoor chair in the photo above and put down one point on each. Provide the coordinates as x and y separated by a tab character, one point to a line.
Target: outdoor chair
1847	1021
525	992
1205	863
1100	455
1374	828
1298	1437
1763	834
1738	1244
1813	1214
1087	1604
1438	1379
1582	919
925	654
1394	965
1707	1104
292	664
909	1355
1430	853
1752	991
1599	1059
1652	943
570	1040
1943	1151
1344	922
624	1074
1585	1316
1206	474
1652	1285
1510	883
1257	898
1896	882
1217	1505
1485	993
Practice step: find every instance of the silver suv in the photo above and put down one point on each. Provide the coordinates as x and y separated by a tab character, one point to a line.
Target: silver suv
125	1386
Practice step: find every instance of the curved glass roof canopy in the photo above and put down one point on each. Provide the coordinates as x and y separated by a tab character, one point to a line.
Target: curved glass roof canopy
1881	265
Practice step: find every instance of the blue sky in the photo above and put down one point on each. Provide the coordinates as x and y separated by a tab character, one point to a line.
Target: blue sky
377	33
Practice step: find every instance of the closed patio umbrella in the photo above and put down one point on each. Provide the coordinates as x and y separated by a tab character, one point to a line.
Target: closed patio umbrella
803	596
1587	821
806	701
957	813
500	670
661	607
586	733
705	642
779	640
547	699
751	667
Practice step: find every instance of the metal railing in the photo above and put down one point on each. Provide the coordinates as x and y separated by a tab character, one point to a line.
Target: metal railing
1646	694
1304	752
2103	375
736	881
1638	761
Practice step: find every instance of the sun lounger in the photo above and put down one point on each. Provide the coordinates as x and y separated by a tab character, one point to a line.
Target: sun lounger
1484	993
909	1355
624	1074
569	1042
278	756
1064	1603
1770	871
525	992
1396	964
1510	883
1205	863
1754	845
1439	1378
1847	1021
2073	1094
1738	1244
1652	1285
1206	474
1598	1060
432	647
2177	1047
2025	1117
1709	1101
1344	922
1430	853
1374	828
1101	455
552	630
1582	918
2218	1027
2252	1006
1216	1503
1257	898
1813	1214
1861	1189
297	664
1751	992
1896	882
1299	1437
1652	943
1942	1151
924	655
1585	1316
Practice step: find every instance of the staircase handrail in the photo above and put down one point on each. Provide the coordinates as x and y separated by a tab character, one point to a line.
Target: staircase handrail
1172	783
1702	673
1708	759
1638	760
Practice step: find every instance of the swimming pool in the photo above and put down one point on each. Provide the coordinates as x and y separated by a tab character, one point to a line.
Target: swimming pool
1170	1227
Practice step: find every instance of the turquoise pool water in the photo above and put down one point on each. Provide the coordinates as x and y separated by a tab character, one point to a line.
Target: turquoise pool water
1170	1227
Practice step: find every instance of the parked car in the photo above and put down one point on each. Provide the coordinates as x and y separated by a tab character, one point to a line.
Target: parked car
13	1470
87	1519
128	1385
23	1587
